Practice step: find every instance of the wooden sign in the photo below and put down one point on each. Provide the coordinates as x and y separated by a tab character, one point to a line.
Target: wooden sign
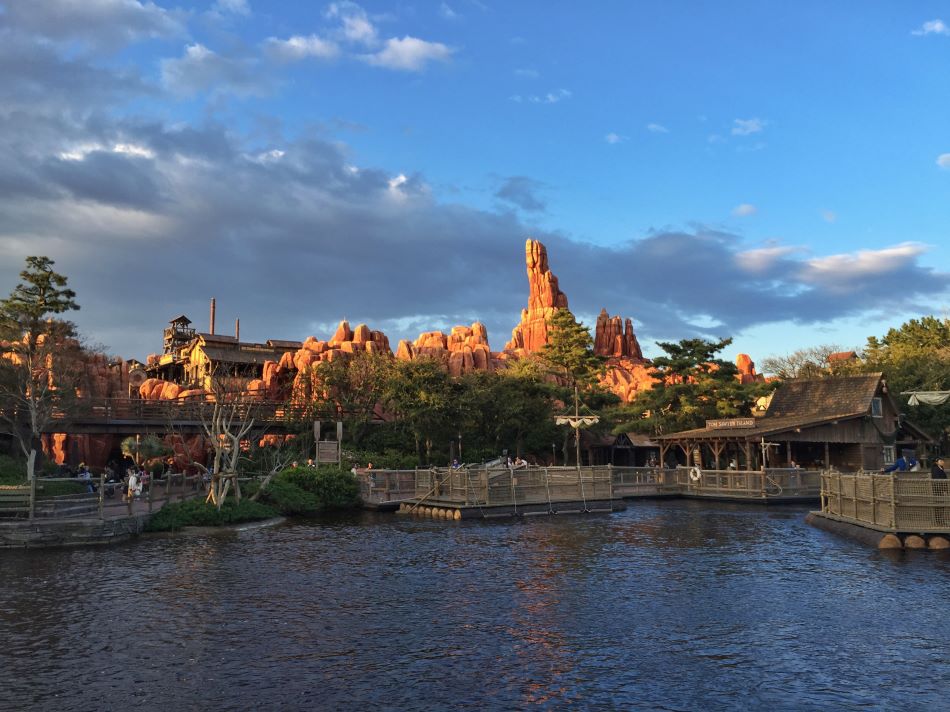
727	423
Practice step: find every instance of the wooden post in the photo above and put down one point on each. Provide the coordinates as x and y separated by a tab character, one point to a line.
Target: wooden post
102	492
339	442
316	441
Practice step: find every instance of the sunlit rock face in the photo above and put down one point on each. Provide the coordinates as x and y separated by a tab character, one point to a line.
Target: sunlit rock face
544	298
465	349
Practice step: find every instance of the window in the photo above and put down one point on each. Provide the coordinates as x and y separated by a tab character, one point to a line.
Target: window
889	455
877	409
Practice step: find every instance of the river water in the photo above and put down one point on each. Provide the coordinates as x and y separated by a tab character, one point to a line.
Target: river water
669	605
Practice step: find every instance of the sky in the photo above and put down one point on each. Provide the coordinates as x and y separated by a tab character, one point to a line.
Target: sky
774	172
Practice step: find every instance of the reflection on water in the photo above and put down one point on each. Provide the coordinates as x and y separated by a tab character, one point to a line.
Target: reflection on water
668	605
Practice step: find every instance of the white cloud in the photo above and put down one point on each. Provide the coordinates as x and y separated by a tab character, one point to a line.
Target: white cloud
299	47
943	160
744	209
864	263
98	23
447	12
932	27
614	138
657	128
356	25
745	127
527	73
201	69
552	97
235	7
763	259
408	54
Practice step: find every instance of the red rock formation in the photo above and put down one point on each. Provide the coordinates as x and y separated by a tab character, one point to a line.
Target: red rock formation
544	297
746	367
615	337
462	351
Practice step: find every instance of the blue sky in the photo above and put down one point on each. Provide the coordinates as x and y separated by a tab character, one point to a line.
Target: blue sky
776	172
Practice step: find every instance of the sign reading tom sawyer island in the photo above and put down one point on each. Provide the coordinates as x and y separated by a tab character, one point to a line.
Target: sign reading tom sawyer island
726	423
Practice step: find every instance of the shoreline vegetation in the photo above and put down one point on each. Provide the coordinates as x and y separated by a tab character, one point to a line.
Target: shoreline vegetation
295	492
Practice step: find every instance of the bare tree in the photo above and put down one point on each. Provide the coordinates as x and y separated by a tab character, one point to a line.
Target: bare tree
804	363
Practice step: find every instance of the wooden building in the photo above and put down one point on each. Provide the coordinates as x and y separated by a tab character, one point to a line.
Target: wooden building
849	423
191	359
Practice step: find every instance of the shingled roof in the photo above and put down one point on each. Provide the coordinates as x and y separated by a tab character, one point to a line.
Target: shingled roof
801	403
824	398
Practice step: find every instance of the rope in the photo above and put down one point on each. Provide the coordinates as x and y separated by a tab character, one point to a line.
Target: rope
547	489
431	491
580	478
468	486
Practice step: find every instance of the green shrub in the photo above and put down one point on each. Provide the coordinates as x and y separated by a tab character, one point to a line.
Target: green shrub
198	513
387	459
46	489
289	499
331	486
12	470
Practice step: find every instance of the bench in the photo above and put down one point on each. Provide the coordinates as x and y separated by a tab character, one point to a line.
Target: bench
15	500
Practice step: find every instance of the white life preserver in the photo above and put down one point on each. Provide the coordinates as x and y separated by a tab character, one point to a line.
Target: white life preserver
695	474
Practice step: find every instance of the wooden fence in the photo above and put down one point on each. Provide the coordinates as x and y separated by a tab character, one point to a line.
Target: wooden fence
908	503
108	500
500	485
766	485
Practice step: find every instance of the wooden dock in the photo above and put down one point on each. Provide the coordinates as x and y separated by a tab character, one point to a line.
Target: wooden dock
907	510
482	492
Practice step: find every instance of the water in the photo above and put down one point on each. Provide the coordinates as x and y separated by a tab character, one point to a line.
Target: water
670	605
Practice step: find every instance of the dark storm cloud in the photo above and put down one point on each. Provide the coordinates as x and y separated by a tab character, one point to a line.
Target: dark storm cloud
522	192
151	219
108	178
34	78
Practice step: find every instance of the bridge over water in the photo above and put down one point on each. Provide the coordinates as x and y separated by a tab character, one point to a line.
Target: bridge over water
131	415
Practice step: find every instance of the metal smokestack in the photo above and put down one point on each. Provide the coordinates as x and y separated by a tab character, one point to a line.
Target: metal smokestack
211	329
237	329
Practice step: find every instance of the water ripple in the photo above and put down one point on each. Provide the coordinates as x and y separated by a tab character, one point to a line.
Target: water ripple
667	606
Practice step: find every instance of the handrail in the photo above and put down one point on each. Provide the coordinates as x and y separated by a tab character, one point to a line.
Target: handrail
915	504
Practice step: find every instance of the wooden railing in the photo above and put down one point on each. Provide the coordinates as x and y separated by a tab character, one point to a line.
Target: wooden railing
487	486
906	504
473	486
107	500
137	410
739	484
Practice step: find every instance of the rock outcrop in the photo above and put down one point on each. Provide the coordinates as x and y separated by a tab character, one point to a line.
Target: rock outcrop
464	350
614	338
544	298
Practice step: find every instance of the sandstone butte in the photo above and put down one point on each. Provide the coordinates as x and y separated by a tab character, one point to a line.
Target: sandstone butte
465	349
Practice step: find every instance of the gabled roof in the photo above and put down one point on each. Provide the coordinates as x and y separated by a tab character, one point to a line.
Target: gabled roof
824	398
180	320
802	403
